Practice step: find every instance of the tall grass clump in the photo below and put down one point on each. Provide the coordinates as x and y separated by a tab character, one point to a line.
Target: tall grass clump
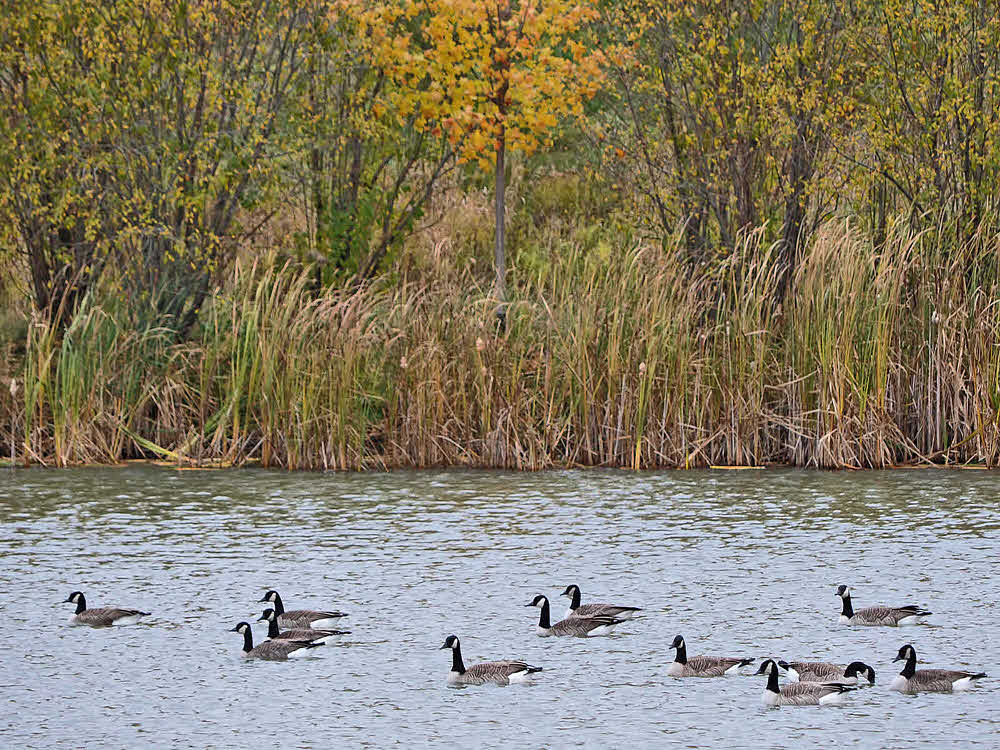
614	355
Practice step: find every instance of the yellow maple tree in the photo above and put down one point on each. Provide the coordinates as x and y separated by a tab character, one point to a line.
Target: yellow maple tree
492	75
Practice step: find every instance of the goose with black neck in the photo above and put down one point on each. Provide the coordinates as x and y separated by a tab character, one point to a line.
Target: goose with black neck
909	614
703	666
576	609
913	680
504	673
302	618
579	627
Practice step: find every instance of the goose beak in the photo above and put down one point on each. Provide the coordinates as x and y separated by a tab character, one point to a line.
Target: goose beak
262	600
898	658
529	604
443	647
234	630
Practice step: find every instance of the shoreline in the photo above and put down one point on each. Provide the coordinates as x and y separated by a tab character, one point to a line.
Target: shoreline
255	463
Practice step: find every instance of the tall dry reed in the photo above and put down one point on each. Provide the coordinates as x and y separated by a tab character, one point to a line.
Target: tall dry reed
612	356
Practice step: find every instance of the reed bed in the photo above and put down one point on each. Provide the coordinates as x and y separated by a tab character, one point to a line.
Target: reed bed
612	356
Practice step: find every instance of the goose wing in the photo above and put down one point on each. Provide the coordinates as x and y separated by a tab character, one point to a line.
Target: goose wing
582	625
887	615
305	634
499	672
301	618
107	615
939	680
611	610
817	671
712	666
278	650
807	693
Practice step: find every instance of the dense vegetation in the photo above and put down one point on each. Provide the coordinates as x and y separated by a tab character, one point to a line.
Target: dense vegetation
719	233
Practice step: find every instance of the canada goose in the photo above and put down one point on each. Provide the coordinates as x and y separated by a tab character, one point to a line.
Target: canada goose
799	693
296	634
913	680
911	614
278	650
580	627
589	610
817	671
702	666
301	618
497	672
101	617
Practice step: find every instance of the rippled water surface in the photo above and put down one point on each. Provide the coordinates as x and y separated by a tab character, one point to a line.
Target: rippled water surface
740	563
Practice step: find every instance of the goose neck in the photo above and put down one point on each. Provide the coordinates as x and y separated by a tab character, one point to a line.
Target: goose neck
911	665
272	628
772	681
682	654
543	616
81	604
279	608
847	610
575	603
247	640
457	665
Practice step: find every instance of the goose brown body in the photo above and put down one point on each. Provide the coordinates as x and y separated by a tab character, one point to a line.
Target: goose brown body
270	650
702	666
301	618
487	672
101	617
913	680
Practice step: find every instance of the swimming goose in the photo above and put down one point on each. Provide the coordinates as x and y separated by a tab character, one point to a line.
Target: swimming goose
278	650
911	614
913	680
496	672
799	693
818	671
101	617
301	618
589	610
296	634
580	627
702	666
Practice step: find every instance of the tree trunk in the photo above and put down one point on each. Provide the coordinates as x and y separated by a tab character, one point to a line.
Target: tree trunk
500	290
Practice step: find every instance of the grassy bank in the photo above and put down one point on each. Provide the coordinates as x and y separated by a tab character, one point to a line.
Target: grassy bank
613	356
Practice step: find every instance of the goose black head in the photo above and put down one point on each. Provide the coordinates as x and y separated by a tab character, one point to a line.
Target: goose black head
267	616
74	597
270	596
539	601
767	667
450	642
783	664
570	590
241	628
905	652
677	642
843	591
859	667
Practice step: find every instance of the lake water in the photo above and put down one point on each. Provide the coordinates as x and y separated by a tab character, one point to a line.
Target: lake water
740	563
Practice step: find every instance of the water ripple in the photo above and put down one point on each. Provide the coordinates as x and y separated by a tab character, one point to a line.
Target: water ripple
739	562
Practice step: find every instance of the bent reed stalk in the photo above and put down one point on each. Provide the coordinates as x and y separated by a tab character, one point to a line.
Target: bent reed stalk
877	356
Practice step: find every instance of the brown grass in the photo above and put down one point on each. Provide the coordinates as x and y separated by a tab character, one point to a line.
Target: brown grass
613	356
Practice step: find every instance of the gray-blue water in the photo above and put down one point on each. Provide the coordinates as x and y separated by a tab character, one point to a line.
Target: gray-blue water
740	563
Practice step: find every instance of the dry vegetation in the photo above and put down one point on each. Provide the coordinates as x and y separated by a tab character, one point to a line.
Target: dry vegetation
613	355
